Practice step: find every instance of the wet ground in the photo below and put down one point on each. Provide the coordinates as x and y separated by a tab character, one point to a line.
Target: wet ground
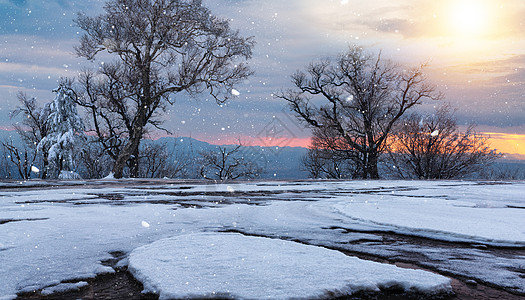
470	266
122	285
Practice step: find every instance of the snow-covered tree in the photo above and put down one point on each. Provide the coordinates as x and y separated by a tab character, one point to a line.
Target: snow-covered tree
66	131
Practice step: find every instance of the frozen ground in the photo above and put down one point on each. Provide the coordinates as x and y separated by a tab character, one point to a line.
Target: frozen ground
53	238
232	265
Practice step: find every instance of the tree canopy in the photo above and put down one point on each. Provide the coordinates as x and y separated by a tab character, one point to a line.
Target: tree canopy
362	97
159	48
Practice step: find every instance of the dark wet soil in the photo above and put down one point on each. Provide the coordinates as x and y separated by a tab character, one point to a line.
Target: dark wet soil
5	221
119	285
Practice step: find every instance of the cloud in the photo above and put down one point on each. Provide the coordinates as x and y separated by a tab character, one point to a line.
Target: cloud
411	19
18	2
508	143
289	34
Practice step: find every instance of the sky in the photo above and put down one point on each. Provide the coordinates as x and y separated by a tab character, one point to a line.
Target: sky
475	50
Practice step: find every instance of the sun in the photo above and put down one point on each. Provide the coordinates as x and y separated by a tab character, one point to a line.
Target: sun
469	17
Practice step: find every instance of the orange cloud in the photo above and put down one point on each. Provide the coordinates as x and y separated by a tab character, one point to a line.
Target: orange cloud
508	143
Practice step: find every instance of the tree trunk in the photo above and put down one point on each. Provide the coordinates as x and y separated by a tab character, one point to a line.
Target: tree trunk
364	165
45	164
134	162
372	165
60	164
27	167
131	150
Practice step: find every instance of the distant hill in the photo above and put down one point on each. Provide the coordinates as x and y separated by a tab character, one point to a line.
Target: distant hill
285	162
8	135
277	162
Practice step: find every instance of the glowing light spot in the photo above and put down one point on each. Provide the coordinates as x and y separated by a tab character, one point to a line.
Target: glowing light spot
469	17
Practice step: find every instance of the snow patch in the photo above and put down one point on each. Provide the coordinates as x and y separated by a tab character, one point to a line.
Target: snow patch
64	287
232	265
69	175
111	175
438	218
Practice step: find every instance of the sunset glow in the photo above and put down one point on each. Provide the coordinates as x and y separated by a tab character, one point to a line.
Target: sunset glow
508	143
475	50
469	17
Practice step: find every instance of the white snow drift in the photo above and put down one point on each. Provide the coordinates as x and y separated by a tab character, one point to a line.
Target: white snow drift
242	267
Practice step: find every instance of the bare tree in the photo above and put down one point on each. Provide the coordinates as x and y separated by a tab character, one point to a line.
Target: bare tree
432	147
33	129
23	159
106	125
329	156
157	161
503	171
5	165
364	96
227	164
94	160
162	48
325	163
313	163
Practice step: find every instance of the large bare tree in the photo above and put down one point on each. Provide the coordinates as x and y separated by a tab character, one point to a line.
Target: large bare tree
162	47
360	97
433	147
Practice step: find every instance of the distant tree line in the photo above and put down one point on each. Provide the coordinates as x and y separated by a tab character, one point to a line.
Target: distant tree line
52	144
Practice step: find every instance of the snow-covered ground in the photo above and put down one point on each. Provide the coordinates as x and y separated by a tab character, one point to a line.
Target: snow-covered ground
51	235
235	266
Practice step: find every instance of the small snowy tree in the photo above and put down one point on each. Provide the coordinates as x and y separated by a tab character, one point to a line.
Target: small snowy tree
66	131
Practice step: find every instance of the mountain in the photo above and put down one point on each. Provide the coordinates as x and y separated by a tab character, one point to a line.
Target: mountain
277	162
